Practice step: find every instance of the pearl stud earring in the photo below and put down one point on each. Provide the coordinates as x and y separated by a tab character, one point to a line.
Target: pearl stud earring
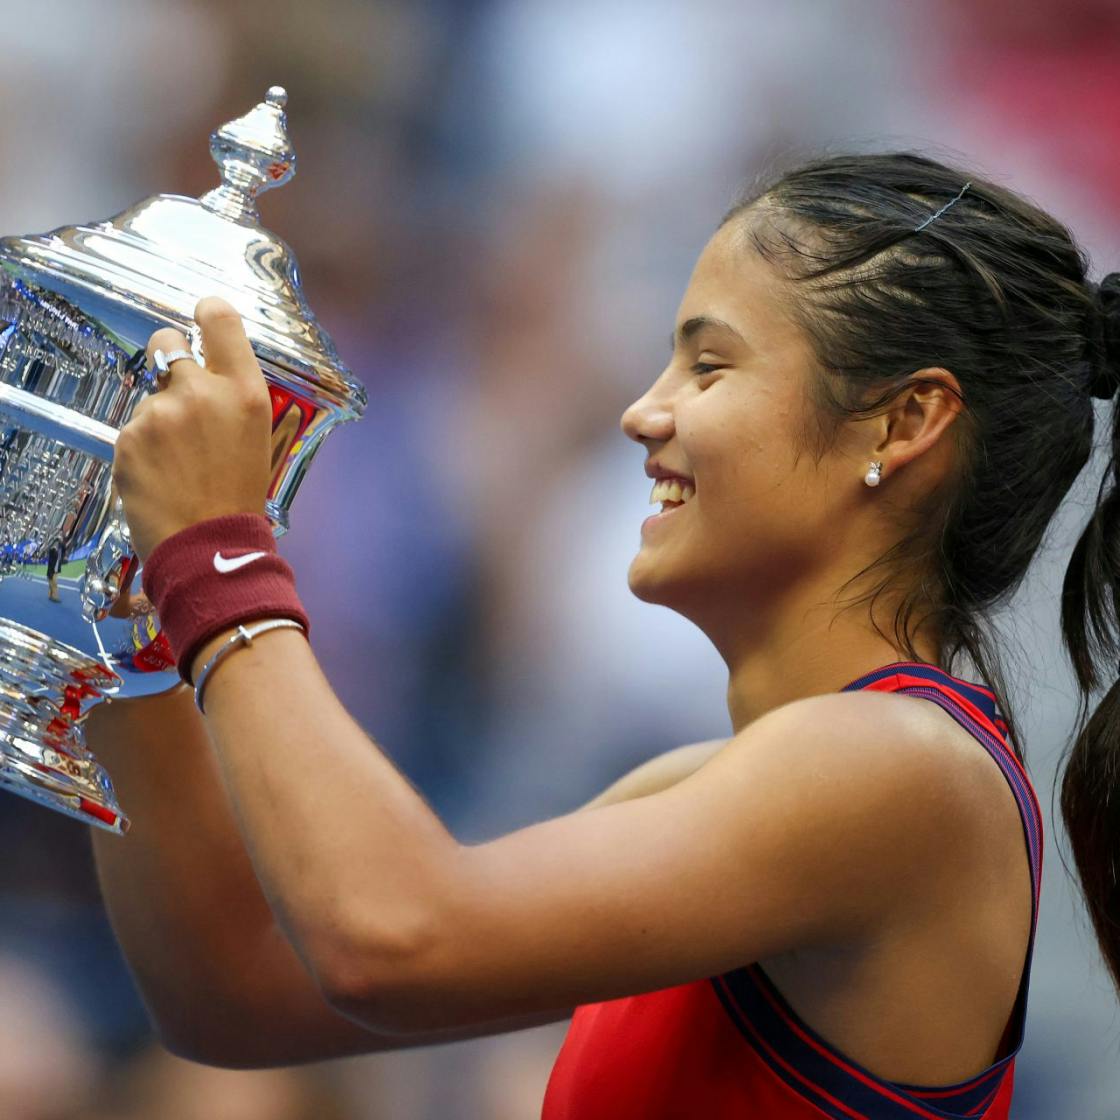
872	476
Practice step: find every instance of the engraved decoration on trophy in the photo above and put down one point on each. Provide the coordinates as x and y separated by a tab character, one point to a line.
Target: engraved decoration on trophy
77	307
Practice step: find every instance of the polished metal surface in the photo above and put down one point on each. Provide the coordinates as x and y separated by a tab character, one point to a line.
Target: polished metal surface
77	307
46	689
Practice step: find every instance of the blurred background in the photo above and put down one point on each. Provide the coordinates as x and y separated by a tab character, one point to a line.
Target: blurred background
497	207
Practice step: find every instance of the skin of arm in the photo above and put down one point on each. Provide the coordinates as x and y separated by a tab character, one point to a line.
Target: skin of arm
221	982
827	821
788	837
658	773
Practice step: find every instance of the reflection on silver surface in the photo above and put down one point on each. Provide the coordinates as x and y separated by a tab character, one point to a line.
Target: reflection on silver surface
46	689
77	307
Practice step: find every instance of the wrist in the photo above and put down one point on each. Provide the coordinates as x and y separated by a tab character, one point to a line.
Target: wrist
242	638
208	650
211	577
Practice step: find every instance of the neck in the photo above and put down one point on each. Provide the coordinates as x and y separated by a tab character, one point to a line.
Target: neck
812	646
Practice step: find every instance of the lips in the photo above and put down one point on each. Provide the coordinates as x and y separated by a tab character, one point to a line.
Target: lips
664	515
657	471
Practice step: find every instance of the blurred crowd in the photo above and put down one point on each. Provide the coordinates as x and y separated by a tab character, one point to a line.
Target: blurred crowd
497	207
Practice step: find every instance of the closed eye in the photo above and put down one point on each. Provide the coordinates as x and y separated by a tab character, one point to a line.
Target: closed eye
701	368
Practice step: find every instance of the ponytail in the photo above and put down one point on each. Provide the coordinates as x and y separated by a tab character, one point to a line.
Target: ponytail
1091	629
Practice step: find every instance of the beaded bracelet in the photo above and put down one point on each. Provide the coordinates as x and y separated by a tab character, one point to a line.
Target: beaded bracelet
241	638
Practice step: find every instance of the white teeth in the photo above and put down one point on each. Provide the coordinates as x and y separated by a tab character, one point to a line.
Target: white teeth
670	490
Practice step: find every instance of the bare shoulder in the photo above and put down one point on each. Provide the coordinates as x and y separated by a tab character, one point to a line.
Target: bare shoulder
923	740
883	735
874	768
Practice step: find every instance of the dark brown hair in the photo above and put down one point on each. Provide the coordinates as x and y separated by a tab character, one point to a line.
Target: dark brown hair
994	290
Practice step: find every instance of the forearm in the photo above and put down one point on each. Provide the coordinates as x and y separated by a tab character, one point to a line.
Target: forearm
221	982
181	868
353	862
359	871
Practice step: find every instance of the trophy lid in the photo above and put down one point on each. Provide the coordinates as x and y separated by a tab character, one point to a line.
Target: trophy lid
163	254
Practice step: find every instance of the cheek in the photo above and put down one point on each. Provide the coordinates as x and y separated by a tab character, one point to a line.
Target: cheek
737	456
755	495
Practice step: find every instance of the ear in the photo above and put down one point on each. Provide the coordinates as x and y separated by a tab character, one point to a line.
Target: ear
918	419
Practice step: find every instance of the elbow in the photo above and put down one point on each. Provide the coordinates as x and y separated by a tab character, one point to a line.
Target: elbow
383	976
211	1044
203	1051
215	1028
238	1041
189	1025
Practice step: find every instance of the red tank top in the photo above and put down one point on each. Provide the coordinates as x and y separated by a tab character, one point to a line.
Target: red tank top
731	1046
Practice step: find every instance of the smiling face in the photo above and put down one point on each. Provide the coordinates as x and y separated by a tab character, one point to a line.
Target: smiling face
730	412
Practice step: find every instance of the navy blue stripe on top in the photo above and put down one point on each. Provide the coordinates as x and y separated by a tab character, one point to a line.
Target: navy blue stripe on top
982	697
807	1062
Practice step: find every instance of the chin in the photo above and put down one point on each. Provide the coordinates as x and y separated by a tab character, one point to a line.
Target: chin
650	585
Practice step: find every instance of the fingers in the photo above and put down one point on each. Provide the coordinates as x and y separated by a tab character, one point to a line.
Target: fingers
227	348
166	339
224	342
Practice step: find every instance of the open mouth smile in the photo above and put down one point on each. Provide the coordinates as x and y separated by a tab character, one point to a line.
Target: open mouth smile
672	494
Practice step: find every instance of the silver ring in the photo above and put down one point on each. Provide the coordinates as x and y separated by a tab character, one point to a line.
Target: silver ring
163	361
194	341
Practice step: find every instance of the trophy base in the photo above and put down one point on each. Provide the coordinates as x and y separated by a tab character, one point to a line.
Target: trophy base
46	690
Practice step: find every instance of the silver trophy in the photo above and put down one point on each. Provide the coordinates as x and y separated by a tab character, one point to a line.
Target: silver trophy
77	307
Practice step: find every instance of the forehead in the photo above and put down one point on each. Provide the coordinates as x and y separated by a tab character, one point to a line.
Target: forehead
731	281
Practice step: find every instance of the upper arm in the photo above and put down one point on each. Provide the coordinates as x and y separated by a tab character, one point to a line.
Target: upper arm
658	773
809	828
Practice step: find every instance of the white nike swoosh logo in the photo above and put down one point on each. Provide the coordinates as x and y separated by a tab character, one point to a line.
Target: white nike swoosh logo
225	565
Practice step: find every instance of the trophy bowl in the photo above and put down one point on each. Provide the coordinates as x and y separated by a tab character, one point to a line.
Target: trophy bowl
77	307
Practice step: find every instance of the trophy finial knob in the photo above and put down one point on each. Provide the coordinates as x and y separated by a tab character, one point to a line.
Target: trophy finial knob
253	154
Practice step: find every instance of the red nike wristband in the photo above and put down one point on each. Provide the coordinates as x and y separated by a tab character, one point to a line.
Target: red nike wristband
215	575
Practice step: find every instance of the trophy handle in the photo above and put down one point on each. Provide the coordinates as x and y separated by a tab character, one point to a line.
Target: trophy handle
106	567
56	421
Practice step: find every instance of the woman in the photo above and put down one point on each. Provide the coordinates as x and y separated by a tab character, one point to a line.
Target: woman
879	391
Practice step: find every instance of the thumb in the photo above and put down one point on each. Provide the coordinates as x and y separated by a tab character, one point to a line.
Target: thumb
224	342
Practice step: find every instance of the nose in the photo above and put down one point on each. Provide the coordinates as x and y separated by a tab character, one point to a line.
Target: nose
649	417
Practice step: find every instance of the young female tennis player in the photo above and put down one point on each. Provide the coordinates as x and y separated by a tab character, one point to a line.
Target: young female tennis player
880	389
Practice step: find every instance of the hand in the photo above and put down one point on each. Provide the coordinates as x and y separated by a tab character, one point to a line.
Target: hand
200	447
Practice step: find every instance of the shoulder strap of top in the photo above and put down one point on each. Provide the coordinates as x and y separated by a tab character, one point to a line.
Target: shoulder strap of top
904	675
807	1062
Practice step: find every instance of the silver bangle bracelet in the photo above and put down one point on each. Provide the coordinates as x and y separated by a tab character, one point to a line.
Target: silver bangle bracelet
241	638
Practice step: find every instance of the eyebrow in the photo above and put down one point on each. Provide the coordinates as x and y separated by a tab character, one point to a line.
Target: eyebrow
691	327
